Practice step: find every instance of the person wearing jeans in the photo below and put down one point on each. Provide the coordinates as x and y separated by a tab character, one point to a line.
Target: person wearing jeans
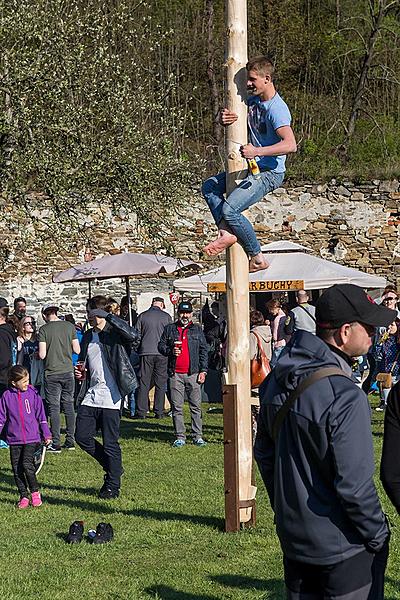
271	138
57	342
184	344
108	378
59	393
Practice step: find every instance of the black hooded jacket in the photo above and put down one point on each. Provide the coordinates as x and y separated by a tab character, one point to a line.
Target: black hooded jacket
319	474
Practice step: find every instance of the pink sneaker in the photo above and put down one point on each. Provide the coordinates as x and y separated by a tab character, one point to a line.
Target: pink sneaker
23	503
36	499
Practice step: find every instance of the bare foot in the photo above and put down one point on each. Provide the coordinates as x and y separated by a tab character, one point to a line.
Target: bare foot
258	263
223	241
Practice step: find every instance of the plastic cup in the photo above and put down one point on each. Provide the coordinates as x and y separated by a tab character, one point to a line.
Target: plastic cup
80	366
178	345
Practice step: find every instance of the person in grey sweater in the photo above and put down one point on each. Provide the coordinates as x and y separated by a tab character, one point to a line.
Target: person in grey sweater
153	366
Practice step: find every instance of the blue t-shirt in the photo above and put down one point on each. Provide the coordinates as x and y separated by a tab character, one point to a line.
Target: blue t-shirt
263	119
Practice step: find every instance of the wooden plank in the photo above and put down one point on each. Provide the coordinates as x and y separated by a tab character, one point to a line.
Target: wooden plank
231	467
283	285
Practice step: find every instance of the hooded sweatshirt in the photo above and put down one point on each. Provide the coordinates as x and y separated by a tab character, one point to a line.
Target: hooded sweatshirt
319	472
23	417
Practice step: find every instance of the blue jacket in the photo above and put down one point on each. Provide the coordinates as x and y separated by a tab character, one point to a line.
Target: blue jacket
319	474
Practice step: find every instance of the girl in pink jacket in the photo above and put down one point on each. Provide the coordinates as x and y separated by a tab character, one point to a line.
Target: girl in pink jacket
23	420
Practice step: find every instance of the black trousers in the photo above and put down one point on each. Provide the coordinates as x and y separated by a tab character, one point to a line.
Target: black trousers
23	467
360	577
108	454
153	368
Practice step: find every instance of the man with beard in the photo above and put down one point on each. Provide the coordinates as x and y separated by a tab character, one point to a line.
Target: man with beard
184	344
19	308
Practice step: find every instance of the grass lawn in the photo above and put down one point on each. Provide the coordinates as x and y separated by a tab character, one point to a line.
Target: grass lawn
169	541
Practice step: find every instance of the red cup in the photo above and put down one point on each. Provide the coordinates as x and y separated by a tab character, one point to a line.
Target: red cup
81	370
178	345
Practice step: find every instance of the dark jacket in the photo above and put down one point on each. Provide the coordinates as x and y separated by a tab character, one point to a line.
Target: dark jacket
117	338
150	325
8	339
319	474
198	349
390	464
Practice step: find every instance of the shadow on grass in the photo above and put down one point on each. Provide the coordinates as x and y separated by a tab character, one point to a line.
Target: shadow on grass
103	507
214	522
164	592
272	586
151	431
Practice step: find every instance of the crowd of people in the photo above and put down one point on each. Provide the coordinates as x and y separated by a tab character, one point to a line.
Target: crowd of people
313	442
88	371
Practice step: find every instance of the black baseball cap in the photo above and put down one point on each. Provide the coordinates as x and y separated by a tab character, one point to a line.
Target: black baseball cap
348	303
3	303
185	307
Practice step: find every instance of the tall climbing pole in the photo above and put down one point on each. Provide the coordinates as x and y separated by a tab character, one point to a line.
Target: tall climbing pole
239	491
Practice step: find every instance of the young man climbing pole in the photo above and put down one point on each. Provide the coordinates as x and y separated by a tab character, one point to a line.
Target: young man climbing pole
271	138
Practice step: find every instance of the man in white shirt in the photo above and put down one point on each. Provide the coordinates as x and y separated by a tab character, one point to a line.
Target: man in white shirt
109	377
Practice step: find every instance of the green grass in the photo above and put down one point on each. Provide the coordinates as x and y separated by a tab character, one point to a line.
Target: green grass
169	540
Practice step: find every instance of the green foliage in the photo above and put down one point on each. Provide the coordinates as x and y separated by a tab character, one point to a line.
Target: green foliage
91	115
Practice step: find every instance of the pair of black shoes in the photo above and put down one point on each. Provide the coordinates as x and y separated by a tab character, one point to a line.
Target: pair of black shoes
104	533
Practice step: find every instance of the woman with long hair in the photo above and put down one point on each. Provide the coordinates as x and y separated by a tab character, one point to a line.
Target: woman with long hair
27	353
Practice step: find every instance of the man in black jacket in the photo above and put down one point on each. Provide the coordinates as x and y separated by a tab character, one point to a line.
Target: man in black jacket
8	344
153	366
109	377
317	458
184	344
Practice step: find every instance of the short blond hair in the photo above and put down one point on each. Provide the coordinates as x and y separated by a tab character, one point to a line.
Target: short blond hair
261	65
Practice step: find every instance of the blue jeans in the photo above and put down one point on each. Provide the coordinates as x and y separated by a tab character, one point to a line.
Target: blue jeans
275	355
249	191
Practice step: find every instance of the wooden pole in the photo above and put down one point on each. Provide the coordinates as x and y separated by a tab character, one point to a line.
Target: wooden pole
237	267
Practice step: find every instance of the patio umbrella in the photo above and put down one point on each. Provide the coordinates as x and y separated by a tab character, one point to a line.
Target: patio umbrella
125	264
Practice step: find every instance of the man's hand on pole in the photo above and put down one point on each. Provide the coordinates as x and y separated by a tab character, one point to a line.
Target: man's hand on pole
228	117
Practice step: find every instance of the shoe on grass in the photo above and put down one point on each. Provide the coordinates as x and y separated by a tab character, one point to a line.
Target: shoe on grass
200	443
104	533
68	446
23	503
36	499
107	493
381	407
178	443
54	449
75	533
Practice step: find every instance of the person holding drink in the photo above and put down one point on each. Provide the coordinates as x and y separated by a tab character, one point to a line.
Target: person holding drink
184	344
107	376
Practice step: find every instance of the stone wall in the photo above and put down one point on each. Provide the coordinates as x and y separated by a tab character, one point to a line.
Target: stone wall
355	224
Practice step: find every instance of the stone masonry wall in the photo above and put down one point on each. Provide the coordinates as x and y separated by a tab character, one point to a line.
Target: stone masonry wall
355	224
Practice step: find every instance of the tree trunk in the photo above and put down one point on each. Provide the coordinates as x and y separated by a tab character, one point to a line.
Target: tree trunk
212	82
237	267
376	25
